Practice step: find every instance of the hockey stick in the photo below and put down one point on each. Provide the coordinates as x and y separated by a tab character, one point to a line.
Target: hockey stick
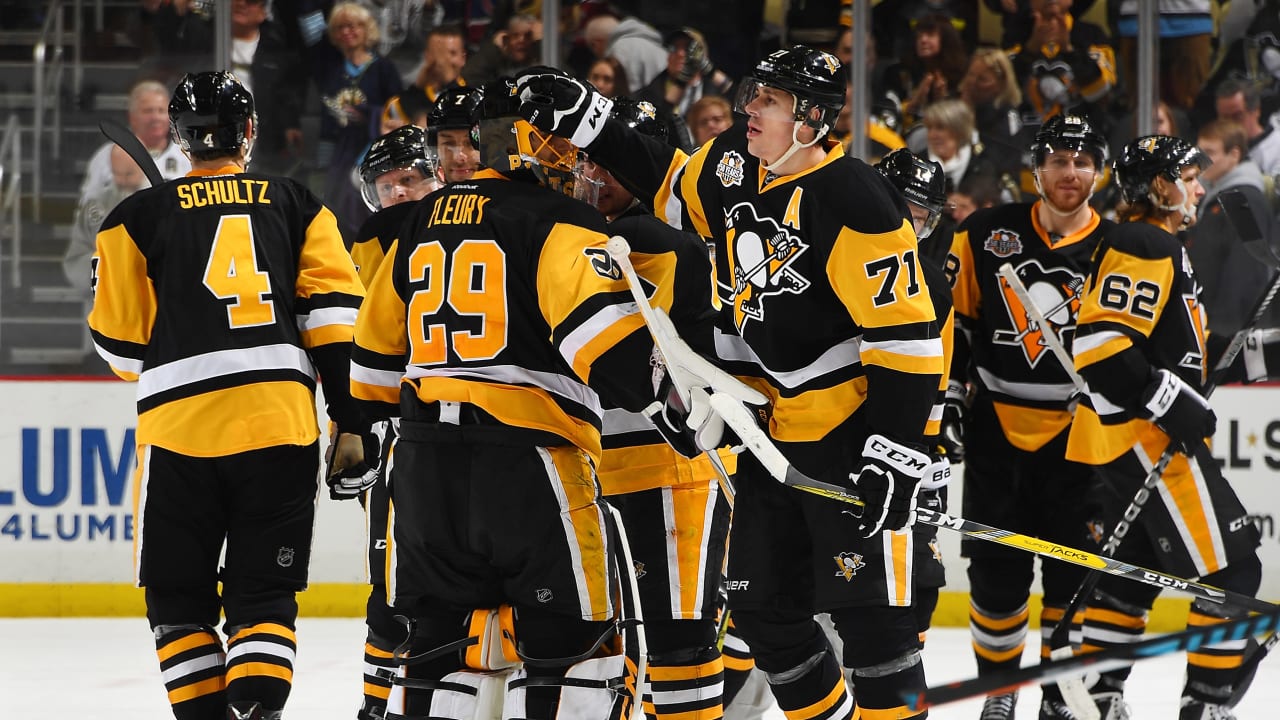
1074	692
736	416
124	137
1248	232
1099	661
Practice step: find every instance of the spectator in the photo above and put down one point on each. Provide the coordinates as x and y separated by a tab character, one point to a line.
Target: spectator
609	77
149	120
990	89
443	57
181	33
637	45
931	71
1064	63
1238	101
882	133
709	117
949	139
688	76
891	20
1186	44
508	51
126	179
974	193
270	69
354	83
1015	18
1231	280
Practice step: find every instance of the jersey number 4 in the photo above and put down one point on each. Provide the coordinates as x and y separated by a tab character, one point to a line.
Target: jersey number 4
232	273
472	280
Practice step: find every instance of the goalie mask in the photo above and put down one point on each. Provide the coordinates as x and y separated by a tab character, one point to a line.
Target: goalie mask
922	184
397	169
209	115
508	143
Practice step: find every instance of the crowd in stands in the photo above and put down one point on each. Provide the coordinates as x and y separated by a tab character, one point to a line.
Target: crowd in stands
364	68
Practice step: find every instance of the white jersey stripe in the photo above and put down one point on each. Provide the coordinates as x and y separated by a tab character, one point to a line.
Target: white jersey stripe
220	363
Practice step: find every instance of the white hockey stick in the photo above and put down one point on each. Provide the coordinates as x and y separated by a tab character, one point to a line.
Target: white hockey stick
1074	692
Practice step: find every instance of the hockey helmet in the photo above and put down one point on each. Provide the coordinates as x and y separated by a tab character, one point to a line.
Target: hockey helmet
1069	131
640	115
456	108
209	113
401	149
1146	158
815	78
921	182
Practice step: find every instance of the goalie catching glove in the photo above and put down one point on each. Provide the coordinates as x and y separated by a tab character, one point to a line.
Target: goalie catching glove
1177	409
354	462
558	104
888	483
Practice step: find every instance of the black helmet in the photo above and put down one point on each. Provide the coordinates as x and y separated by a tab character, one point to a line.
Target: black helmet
209	111
814	77
456	108
1069	131
1143	159
640	115
921	182
402	148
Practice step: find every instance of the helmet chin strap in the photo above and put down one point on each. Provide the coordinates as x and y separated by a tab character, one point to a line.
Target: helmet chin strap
1186	208
796	145
1035	174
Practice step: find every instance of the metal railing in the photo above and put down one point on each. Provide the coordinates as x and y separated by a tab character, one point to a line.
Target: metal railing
46	83
11	189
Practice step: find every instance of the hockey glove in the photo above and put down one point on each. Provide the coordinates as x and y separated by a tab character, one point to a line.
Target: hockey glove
354	462
1260	353
558	104
952	432
1177	409
689	431
888	482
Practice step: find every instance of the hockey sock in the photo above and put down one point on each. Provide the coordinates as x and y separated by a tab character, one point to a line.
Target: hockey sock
1049	618
377	687
815	690
998	638
1109	622
191	662
738	664
686	685
1213	670
260	664
879	688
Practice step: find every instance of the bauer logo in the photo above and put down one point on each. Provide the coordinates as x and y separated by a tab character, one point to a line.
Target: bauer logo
729	169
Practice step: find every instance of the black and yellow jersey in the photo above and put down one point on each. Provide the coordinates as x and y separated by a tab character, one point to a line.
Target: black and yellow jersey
374	241
676	271
1086	69
823	307
501	295
210	291
940	294
997	347
1141	311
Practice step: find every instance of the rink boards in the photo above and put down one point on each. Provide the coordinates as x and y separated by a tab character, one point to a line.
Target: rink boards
66	505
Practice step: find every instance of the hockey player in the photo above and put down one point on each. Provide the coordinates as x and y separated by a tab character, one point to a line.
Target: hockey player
1141	347
924	186
453	132
490	332
222	294
1015	430
824	310
395	173
676	512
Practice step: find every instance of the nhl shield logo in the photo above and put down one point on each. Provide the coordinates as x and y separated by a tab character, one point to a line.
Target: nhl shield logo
729	169
284	558
1003	243
849	564
543	595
